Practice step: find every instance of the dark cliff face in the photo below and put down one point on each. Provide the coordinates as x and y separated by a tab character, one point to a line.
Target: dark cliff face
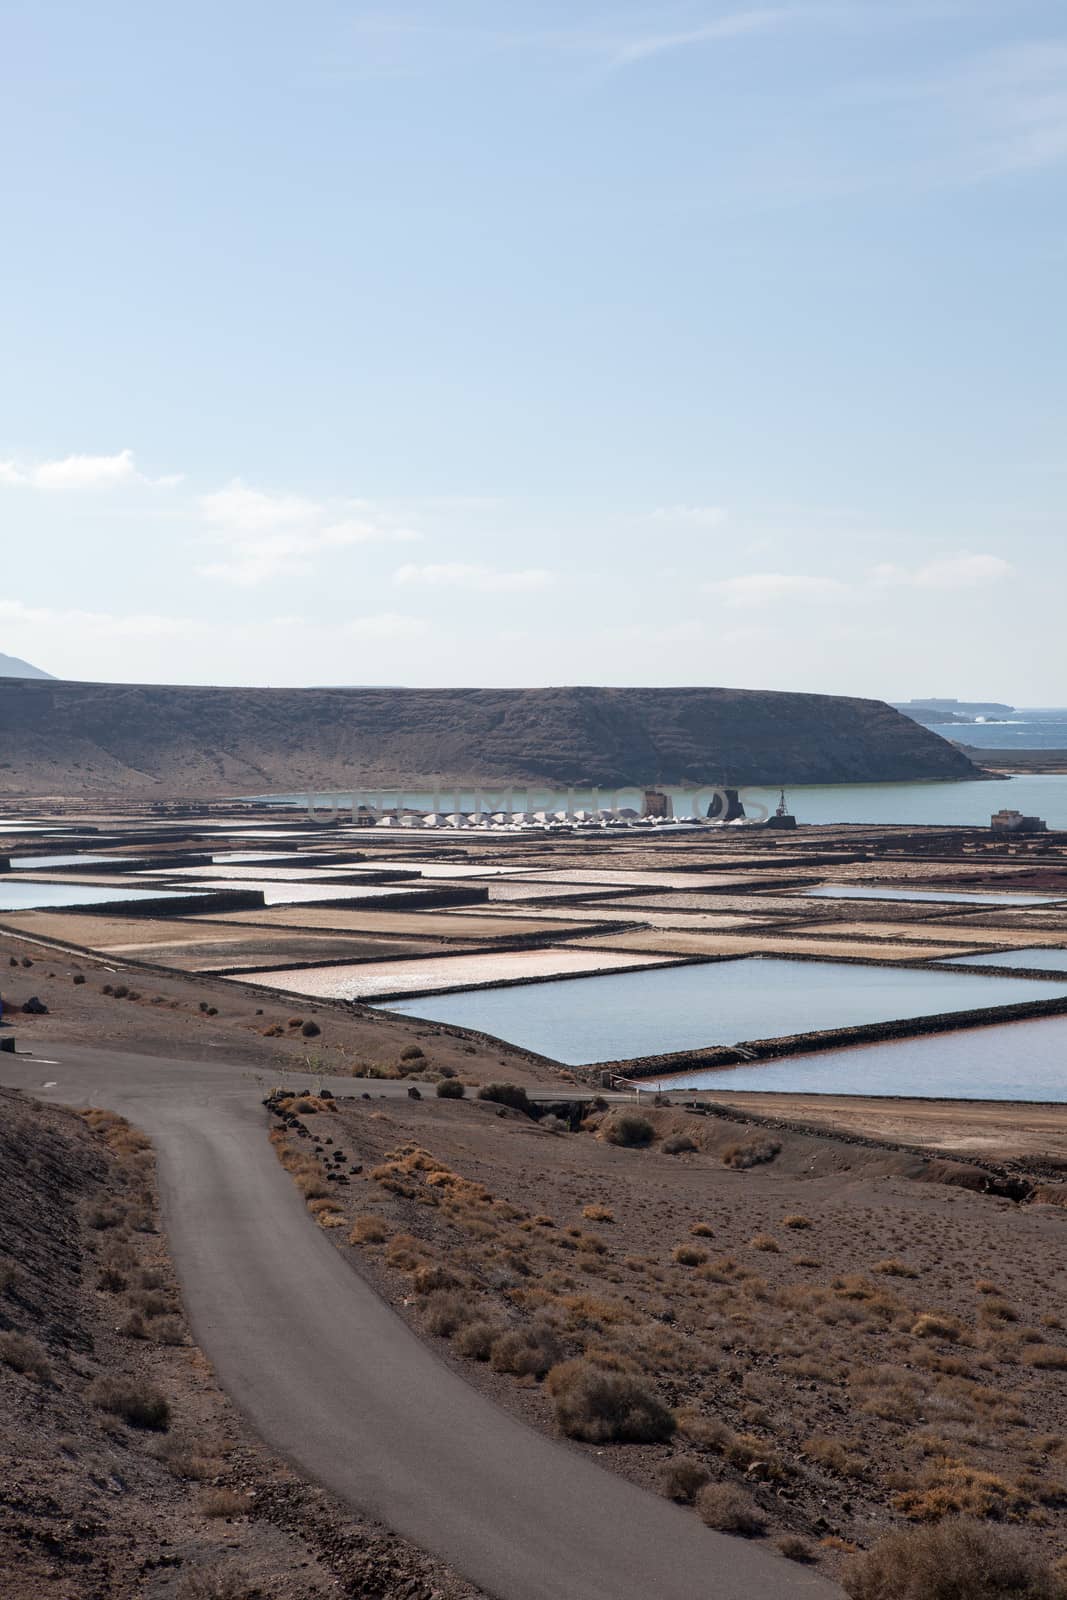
143	739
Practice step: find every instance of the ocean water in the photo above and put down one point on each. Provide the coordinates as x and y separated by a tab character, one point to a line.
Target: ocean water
1033	729
582	1020
970	802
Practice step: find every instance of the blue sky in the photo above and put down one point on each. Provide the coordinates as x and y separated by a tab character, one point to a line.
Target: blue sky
514	344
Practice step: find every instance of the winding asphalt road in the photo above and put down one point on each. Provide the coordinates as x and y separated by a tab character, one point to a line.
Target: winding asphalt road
336	1382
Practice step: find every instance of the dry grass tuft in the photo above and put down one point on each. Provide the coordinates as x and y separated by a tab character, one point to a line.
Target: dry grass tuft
683	1477
750	1153
25	1355
794	1548
602	1404
951	1488
959	1560
223	1503
689	1255
596	1213
892	1268
526	1352
628	1129
729	1509
932	1325
132	1399
368	1228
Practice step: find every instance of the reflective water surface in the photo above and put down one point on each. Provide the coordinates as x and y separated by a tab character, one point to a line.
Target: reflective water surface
613	1018
1008	1061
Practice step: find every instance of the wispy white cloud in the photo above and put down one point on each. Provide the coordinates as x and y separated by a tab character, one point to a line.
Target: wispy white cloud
692	516
91	626
962	571
386	625
639	47
992	114
79	472
272	535
754	589
613	43
241	509
143	625
482	579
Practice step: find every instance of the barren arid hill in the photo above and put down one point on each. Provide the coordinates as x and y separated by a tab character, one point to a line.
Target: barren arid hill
132	740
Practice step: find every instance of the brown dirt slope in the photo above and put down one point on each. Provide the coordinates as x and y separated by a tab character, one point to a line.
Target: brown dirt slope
135	739
97	1501
854	1338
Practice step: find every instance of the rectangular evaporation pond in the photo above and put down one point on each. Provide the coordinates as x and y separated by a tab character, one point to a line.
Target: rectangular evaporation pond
394	977
306	893
40	896
683	1008
1009	1061
236	876
1036	960
42	863
837	891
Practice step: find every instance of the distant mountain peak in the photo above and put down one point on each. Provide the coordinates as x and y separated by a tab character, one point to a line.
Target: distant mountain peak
13	667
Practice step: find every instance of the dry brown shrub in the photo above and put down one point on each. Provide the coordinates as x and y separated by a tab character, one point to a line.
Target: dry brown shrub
598	1213
368	1228
627	1129
995	1310
957	1560
893	1268
526	1352
1045	1357
23	1354
166	1330
702	1230
475	1340
132	1399
432	1277
729	1509
682	1477
797	1221
952	1488
708	1432
223	1503
689	1255
312	1186
323	1204
794	1548
753	1152
831	1453
445	1311
986	1286
405	1253
765	1241
678	1144
218	1583
935	1325
600	1403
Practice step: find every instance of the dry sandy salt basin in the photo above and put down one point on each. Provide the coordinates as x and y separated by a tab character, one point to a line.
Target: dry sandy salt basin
447	971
